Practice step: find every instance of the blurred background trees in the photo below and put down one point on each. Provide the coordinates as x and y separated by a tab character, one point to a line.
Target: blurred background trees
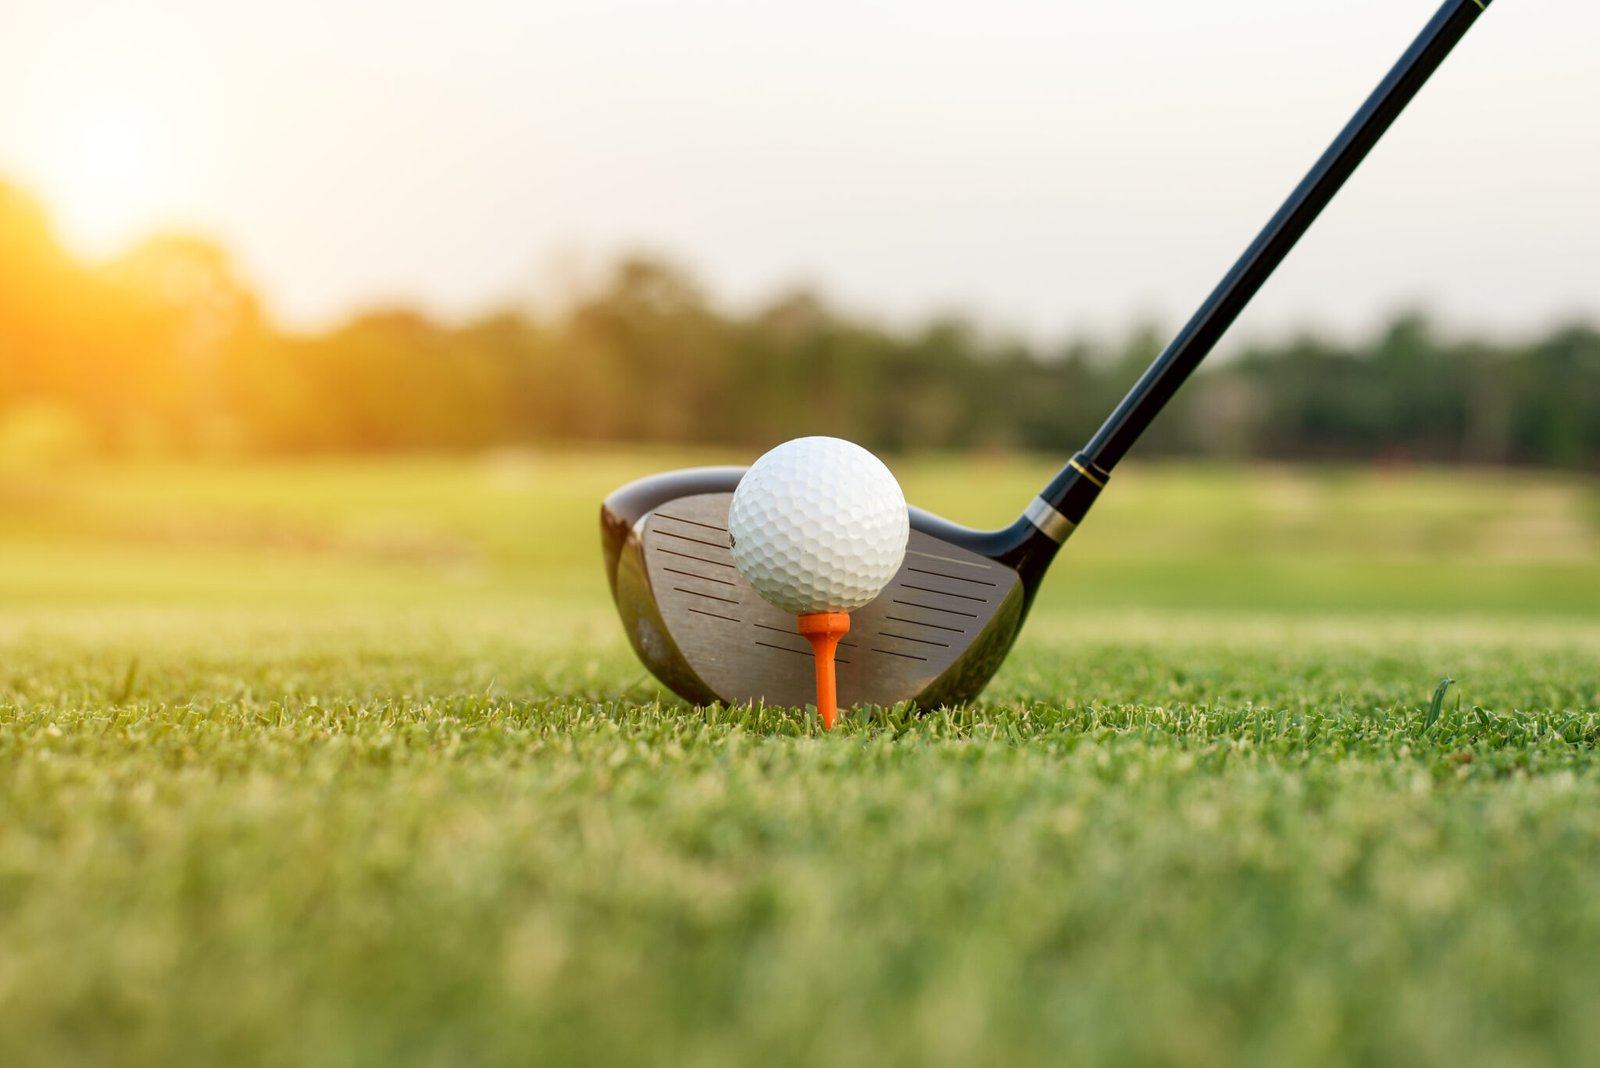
166	350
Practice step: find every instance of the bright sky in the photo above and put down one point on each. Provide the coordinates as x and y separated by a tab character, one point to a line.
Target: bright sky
1050	166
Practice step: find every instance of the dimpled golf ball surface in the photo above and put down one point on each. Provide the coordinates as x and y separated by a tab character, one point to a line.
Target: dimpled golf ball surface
818	525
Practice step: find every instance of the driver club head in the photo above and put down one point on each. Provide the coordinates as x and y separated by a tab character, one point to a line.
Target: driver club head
934	636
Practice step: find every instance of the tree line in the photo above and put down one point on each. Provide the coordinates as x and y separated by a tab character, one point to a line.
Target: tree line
165	349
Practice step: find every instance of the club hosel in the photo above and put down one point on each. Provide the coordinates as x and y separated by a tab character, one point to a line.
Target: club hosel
1052	516
1075	488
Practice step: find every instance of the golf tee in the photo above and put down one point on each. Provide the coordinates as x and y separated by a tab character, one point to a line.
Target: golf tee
823	630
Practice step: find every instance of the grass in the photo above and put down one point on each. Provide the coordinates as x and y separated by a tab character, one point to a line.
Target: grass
348	764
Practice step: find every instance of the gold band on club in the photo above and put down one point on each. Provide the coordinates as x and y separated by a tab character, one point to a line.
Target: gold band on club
1086	473
1055	526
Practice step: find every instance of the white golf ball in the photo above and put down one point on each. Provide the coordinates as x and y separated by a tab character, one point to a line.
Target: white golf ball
818	525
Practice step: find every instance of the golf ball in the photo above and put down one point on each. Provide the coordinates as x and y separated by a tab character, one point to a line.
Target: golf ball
818	525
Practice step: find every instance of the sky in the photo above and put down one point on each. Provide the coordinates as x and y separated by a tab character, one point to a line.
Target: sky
1053	167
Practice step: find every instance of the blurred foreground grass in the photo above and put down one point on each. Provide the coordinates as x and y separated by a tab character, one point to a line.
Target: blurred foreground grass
347	763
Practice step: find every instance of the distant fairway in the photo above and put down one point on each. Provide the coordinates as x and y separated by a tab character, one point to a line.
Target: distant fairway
348	763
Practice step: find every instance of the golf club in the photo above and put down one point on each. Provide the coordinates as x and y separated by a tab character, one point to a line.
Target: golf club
942	627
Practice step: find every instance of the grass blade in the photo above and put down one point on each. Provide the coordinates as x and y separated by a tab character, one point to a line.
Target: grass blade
1437	702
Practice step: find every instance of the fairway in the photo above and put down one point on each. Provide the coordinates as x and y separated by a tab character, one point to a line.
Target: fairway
348	763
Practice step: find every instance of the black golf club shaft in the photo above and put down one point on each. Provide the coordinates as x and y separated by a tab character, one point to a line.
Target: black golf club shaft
1075	488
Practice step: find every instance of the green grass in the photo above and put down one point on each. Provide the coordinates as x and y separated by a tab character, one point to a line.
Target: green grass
348	764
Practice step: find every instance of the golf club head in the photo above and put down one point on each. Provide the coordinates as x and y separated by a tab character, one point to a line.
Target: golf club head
935	635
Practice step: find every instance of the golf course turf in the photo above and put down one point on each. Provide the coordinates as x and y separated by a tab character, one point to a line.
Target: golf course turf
349	764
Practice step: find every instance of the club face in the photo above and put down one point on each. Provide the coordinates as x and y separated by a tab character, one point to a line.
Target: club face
935	636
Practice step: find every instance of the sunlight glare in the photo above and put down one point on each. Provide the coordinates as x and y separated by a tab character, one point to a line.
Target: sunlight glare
108	181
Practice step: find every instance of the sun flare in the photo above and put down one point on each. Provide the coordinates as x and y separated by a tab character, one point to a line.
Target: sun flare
108	176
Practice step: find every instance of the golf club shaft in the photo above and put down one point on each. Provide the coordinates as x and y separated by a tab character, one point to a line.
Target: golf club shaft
1222	307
